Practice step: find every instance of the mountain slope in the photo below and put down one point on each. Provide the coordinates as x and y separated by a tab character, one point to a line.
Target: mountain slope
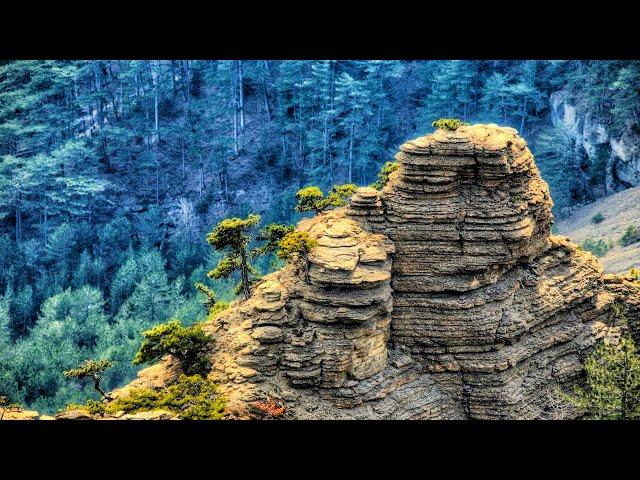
620	210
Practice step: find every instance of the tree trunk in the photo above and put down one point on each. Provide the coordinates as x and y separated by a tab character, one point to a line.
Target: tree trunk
98	388
324	140
623	401
332	93
300	160
265	89
173	78
235	131
245	273
351	153
98	87
19	221
184	171
201	183
155	155
154	78
241	96
225	178
524	114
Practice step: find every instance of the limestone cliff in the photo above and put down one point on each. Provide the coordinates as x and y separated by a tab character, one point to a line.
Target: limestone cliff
594	143
441	297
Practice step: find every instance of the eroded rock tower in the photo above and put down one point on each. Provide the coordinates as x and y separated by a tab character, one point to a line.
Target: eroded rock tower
442	296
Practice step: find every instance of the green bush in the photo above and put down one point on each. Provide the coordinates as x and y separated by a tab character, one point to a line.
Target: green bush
631	235
597	218
612	388
450	124
187	344
191	398
383	176
598	247
312	199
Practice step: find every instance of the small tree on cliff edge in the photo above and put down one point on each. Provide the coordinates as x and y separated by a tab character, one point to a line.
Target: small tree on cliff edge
297	243
233	233
271	234
187	344
383	175
312	199
92	369
612	390
209	301
450	124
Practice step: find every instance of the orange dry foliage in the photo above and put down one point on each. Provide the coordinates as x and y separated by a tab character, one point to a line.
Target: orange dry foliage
270	407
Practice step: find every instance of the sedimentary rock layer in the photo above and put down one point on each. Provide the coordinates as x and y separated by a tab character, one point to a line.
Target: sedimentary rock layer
442	296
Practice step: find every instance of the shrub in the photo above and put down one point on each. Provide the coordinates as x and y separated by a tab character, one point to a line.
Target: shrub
631	235
94	407
450	124
612	390
270	408
187	344
91	369
597	218
138	400
311	199
6	406
308	199
383	175
191	398
271	234
597	247
209	301
297	243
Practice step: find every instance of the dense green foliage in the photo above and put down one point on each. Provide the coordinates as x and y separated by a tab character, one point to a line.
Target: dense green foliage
630	235
450	124
191	398
272	234
112	172
597	218
312	199
297	243
187	344
383	176
598	247
612	389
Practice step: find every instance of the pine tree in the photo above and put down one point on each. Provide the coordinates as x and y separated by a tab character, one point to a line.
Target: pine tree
233	234
271	234
612	390
91	369
297	244
312	199
187	344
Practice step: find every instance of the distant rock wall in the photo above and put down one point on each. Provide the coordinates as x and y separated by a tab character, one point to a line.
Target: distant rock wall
593	140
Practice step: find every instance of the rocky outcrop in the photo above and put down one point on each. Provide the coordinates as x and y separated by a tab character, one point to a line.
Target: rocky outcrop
617	155
443	296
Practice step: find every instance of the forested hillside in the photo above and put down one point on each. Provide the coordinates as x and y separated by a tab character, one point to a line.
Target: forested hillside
112	173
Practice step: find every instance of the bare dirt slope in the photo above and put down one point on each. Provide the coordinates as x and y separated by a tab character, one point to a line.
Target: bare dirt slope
620	210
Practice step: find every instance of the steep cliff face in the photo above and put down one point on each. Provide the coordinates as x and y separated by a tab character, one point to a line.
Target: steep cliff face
443	296
618	156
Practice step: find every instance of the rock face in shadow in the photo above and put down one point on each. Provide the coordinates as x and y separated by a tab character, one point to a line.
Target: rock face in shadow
443	296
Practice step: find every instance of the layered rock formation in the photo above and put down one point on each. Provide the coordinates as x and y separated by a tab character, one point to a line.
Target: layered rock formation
441	297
